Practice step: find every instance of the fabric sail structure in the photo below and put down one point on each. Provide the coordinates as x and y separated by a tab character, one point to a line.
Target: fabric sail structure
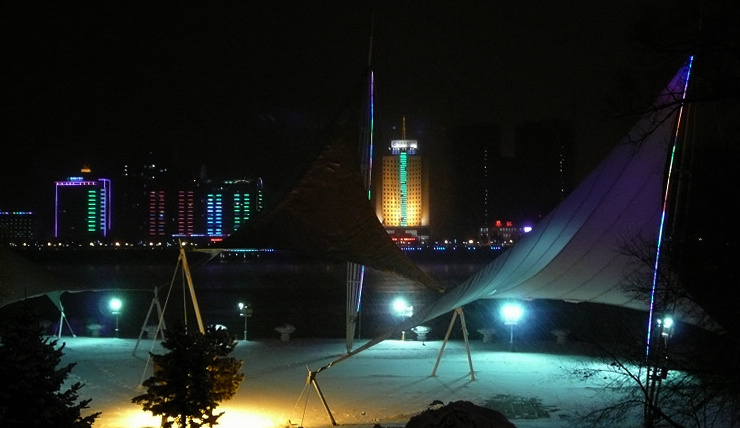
20	279
576	252
327	214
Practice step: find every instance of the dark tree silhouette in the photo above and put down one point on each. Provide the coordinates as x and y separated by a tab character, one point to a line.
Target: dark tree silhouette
192	378
691	378
31	389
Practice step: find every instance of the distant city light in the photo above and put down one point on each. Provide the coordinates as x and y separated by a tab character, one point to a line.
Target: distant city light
527	229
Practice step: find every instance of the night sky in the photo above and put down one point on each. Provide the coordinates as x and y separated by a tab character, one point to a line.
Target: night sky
240	87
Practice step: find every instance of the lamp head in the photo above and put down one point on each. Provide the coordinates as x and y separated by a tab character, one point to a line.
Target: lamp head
512	313
402	308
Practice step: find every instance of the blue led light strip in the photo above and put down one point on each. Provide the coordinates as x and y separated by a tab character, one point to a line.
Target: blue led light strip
372	131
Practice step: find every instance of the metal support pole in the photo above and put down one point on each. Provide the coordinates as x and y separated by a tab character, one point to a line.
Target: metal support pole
312	380
245	323
511	334
455	314
196	308
467	342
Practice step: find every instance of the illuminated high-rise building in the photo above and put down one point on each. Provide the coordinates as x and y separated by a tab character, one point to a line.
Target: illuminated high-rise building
82	207
157	220
230	204
215	213
403	203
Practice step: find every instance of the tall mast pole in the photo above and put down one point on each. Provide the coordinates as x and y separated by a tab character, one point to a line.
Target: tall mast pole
658	331
356	272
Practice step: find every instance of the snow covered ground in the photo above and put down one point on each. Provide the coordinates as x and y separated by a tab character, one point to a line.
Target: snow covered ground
536	386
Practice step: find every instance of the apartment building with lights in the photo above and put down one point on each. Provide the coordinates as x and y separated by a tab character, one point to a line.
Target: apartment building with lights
229	204
17	226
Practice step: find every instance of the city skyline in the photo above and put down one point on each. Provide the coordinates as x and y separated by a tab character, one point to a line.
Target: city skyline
159	183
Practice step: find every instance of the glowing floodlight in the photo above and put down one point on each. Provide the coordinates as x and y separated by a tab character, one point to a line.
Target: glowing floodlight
115	305
665	325
512	313
667	322
402	308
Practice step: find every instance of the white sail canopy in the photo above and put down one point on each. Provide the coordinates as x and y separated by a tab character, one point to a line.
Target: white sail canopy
577	252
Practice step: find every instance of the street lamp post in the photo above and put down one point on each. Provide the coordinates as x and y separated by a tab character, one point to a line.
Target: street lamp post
115	305
511	313
657	366
245	311
404	310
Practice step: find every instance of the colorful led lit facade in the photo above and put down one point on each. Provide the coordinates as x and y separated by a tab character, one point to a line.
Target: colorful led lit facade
185	213
156	220
82	208
215	214
230	204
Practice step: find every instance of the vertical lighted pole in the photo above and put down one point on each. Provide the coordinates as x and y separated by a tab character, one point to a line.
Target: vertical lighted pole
670	203
115	307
